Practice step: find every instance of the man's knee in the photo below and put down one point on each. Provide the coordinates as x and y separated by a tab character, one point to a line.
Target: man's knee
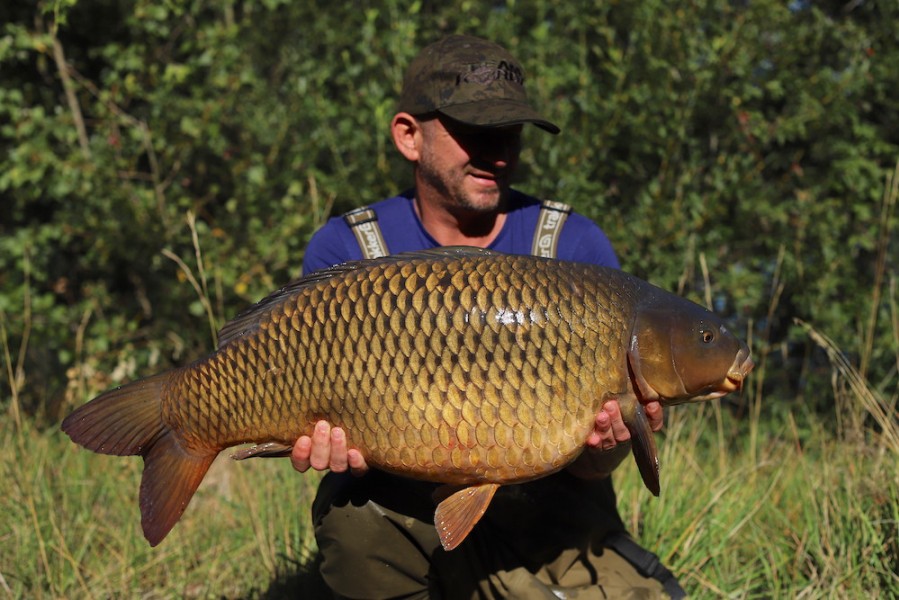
368	549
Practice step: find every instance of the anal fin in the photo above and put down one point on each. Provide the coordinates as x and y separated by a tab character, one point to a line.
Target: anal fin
458	513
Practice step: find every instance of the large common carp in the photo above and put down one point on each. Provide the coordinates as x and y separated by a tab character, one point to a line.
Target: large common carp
455	365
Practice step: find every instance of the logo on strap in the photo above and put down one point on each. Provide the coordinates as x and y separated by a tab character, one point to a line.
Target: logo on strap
363	223
549	228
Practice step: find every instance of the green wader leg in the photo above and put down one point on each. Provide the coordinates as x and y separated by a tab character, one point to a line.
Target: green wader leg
377	540
376	535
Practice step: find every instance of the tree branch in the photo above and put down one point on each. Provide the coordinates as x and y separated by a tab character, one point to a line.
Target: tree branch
60	59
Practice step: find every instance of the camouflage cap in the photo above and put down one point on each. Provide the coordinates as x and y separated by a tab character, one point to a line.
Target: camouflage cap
470	80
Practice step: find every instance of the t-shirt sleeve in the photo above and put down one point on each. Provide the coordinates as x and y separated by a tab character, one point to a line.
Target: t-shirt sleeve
583	241
329	246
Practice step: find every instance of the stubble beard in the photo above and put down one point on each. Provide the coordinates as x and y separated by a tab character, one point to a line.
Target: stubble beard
452	189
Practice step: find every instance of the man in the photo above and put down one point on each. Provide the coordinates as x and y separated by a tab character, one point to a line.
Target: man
459	123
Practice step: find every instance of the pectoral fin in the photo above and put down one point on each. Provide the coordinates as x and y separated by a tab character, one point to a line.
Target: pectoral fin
642	441
266	450
644	447
459	512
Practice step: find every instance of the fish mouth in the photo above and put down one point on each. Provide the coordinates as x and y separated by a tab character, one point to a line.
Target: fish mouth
738	372
733	381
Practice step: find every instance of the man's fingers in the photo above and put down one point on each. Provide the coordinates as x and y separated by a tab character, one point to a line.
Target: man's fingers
343	458
619	429
320	458
299	456
608	428
653	411
338	458
602	430
358	466
326	449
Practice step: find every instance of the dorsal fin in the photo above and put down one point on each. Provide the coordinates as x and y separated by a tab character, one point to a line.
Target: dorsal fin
448	252
248	321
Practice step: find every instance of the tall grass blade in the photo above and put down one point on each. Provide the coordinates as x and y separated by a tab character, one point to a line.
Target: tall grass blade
200	285
891	192
884	415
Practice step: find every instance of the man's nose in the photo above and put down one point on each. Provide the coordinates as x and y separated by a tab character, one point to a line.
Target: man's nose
500	150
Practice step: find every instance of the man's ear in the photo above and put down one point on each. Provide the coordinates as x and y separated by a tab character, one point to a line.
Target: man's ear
406	132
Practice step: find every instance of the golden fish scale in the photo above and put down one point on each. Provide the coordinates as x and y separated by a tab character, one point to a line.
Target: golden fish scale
455	370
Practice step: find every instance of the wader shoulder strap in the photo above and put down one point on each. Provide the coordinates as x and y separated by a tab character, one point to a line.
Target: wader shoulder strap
363	223
549	228
646	563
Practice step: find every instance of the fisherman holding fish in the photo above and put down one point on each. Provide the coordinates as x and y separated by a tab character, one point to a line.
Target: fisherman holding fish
488	384
459	123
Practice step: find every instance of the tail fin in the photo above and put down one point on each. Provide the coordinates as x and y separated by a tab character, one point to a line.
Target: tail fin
128	421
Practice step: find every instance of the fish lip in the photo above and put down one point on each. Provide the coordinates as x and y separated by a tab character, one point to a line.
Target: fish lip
732	383
746	364
736	375
713	395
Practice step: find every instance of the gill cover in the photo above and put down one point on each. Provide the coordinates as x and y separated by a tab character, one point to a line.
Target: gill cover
681	352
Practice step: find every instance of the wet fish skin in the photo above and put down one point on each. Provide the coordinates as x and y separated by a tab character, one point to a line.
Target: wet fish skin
460	366
415	371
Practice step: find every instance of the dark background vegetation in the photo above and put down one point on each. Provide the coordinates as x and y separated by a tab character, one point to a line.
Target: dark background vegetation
734	151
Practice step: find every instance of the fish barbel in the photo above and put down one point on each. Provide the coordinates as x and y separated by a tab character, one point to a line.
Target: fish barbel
455	365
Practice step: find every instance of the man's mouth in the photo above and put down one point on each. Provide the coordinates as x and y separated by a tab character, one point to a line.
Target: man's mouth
487	179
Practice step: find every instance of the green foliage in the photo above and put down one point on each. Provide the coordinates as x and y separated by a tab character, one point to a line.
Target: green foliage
736	152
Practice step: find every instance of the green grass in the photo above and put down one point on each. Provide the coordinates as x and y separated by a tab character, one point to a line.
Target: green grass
71	528
809	515
801	513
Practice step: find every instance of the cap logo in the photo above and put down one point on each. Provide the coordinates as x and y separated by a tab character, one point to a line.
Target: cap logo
471	81
487	73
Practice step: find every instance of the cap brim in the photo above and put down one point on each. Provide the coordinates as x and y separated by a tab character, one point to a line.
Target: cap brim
497	113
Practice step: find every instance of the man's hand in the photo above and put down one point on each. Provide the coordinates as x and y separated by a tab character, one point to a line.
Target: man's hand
605	446
609	427
326	449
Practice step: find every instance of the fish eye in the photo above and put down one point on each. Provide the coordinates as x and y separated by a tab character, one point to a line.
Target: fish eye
707	336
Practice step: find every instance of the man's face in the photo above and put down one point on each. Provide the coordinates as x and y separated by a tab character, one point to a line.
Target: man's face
470	168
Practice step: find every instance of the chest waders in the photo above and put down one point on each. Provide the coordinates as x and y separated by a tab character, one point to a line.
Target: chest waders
363	222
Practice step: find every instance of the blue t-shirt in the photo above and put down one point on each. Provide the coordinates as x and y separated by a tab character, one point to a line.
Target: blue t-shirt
581	240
